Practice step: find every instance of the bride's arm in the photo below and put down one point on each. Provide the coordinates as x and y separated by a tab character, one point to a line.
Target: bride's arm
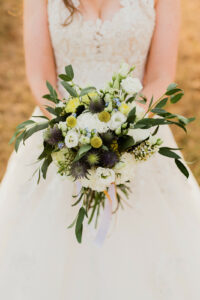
161	63
40	64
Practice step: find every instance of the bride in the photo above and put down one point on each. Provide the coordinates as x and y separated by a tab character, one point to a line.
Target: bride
152	251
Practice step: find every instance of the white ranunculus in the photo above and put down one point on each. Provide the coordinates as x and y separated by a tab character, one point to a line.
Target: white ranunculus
131	85
139	134
62	126
84	139
59	156
106	176
139	110
98	179
71	139
125	169
117	119
61	104
124	69
91	122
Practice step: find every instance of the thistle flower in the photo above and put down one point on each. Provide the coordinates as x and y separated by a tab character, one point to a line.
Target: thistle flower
93	158
79	169
71	121
109	159
96	142
104	116
108	137
55	136
97	104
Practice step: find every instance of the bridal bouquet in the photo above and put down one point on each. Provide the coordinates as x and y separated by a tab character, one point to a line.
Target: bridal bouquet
97	137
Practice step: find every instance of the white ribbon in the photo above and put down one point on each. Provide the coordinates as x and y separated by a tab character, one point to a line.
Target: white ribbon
106	216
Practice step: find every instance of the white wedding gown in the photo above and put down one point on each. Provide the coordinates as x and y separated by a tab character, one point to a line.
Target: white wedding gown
152	251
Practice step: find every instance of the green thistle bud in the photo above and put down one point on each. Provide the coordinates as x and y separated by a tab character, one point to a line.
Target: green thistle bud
71	121
96	142
93	158
104	116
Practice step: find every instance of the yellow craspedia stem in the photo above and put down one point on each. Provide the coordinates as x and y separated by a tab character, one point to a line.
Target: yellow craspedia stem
71	121
104	116
96	142
72	105
124	108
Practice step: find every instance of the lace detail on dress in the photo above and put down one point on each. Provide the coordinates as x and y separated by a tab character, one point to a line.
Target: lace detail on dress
96	48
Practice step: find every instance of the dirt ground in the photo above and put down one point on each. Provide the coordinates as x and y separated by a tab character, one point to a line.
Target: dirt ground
17	102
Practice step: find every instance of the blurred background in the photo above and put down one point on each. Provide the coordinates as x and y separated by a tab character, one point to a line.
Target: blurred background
17	102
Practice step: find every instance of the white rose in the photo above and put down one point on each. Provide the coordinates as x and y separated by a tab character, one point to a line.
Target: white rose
139	110
59	156
71	139
84	139
124	69
139	134
106	176
91	122
117	119
131	85
125	169
62	126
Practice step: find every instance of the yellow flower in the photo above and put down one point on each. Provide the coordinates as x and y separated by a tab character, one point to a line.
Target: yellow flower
96	142
71	121
86	98
104	116
124	108
72	105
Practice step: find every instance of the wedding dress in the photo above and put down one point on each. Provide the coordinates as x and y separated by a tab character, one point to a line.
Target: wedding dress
152	251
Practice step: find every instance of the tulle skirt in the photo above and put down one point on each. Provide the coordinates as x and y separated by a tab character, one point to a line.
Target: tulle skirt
152	250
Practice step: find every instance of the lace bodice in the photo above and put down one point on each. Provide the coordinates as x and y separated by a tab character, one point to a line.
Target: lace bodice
96	48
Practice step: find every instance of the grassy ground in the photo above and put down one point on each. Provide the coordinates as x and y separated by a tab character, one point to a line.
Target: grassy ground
17	102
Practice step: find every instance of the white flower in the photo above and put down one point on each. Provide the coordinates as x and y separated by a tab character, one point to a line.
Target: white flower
91	122
84	139
59	156
99	179
60	104
62	126
117	119
124	69
71	139
131	85
139	134
139	110
106	176
153	139
125	169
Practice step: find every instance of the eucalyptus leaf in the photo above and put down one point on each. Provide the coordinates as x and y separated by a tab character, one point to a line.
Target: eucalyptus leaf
45	165
132	115
162	103
24	124
69	72
82	151
34	129
182	168
125	142
165	151
176	98
64	77
172	92
172	86
69	89
19	139
87	90
51	90
79	224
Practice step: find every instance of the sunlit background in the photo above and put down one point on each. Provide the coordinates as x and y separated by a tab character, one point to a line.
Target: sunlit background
17	102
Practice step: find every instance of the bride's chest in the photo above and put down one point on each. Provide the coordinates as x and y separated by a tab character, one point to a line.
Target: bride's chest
131	26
